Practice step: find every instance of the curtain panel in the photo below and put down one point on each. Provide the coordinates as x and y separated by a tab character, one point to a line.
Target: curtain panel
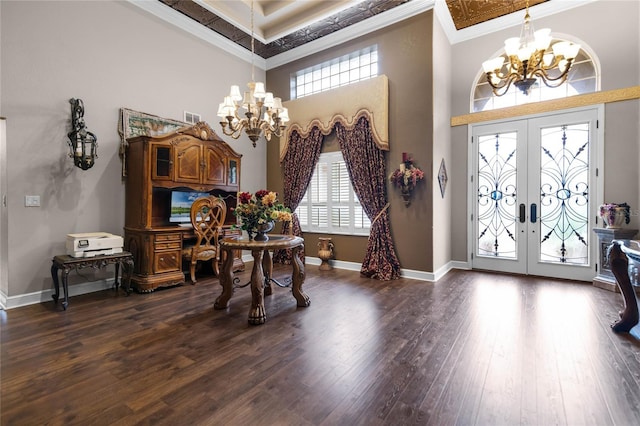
366	167
298	165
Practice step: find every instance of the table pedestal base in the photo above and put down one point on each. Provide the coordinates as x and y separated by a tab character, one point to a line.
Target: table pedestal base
261	274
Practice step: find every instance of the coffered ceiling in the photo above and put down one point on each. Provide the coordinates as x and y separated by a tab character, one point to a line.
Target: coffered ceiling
282	25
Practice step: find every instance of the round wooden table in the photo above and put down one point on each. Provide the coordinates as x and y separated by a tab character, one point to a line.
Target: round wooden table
262	265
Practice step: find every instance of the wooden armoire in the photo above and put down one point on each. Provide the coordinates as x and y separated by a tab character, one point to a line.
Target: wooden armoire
189	159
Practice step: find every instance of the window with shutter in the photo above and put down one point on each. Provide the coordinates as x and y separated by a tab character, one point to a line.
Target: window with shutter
330	205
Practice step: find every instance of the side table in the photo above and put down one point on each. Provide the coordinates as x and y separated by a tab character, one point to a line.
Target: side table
606	236
66	263
261	272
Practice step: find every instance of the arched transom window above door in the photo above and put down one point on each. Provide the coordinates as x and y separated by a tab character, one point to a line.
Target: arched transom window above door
584	77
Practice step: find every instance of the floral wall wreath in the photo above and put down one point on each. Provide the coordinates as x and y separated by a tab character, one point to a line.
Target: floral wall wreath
406	178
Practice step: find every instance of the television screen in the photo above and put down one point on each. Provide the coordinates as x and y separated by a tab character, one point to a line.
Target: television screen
181	205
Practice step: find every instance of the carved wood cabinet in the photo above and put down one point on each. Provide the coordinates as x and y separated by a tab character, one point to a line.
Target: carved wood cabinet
190	159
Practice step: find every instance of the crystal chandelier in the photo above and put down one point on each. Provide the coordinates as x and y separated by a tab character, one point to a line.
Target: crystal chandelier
530	57
262	111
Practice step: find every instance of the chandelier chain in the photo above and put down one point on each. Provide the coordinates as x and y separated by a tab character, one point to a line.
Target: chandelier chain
253	77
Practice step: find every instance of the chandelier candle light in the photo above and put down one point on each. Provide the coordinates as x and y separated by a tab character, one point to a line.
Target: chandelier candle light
529	57
262	111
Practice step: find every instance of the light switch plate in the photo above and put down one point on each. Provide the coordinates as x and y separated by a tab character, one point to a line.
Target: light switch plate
32	201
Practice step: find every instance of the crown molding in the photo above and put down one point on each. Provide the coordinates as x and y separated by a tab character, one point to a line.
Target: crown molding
167	14
366	26
397	14
392	16
538	11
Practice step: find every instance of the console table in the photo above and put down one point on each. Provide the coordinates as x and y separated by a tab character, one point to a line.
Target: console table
604	278
66	263
261	273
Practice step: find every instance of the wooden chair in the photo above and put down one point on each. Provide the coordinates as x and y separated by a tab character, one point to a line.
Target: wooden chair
207	217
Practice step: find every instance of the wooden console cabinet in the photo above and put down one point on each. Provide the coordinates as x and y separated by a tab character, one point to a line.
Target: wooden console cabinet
190	159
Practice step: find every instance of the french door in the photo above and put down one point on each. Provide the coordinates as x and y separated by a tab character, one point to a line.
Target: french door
534	195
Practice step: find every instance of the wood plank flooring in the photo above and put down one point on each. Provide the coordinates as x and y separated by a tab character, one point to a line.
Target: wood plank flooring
475	348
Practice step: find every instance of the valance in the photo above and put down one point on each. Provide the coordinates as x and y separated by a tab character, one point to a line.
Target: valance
344	104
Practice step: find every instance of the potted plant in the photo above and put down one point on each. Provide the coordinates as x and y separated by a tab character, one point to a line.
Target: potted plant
258	212
613	215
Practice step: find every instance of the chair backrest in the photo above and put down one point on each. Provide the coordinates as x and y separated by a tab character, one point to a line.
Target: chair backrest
207	217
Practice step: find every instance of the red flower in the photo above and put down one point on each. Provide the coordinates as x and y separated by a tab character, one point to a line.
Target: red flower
245	197
261	193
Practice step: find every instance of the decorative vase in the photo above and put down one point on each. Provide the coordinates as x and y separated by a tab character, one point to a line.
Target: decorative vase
325	252
613	218
261	231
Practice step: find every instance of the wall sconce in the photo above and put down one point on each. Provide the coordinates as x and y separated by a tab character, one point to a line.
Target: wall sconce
82	143
406	178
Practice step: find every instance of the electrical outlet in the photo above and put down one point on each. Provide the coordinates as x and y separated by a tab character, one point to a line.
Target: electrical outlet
32	201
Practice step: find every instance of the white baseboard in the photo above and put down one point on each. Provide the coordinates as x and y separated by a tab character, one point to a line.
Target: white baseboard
9	302
45	295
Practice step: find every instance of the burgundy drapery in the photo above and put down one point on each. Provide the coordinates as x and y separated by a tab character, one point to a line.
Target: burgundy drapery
365	164
298	164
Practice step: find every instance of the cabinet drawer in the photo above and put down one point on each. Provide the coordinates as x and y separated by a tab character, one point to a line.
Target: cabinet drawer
168	237
168	245
166	261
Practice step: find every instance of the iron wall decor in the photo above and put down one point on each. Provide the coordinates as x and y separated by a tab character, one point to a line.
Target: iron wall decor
442	178
83	144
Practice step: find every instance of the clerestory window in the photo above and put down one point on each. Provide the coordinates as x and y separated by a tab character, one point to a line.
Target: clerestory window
356	66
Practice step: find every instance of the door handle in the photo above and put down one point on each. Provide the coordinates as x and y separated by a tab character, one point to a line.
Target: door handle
533	212
523	212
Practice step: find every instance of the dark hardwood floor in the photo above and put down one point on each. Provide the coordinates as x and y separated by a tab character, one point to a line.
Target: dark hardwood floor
473	348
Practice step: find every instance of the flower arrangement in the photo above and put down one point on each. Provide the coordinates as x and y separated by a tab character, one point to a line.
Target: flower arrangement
609	212
259	209
407	176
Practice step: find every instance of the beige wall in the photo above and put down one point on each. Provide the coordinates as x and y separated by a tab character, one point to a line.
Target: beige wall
404	51
111	54
619	55
441	148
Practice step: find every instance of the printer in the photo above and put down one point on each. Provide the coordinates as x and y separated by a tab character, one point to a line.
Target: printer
90	244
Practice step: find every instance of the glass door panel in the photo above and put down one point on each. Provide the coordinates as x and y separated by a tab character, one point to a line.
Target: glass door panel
562	147
564	194
497	207
532	193
498	192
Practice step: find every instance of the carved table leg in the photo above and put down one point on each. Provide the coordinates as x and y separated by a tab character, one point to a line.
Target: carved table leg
257	313
267	268
126	274
116	281
619	266
56	283
298	278
65	287
226	281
